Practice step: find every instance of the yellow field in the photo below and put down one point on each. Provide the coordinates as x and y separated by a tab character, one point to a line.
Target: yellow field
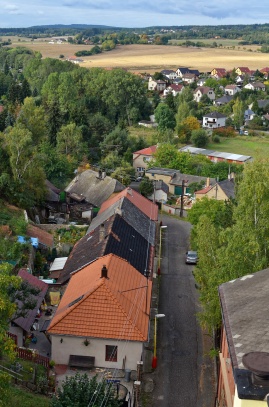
152	58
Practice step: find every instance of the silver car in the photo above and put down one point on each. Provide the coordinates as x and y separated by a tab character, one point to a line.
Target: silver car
191	257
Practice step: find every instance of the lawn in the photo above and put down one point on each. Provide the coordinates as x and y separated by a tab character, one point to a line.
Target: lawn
23	397
245	145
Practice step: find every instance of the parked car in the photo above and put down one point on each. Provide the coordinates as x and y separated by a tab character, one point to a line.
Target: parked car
138	179
191	257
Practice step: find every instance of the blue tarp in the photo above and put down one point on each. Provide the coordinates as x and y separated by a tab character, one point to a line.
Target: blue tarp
33	240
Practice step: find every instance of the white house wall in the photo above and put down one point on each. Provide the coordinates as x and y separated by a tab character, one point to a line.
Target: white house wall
70	345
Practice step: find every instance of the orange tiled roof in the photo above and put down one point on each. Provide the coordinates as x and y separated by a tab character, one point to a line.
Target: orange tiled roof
147	207
147	151
113	307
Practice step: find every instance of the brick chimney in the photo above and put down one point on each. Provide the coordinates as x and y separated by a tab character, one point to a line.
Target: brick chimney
207	182
104	272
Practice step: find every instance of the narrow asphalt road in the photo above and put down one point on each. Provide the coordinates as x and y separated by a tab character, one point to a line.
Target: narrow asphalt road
183	377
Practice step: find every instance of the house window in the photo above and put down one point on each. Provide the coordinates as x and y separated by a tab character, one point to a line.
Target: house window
111	353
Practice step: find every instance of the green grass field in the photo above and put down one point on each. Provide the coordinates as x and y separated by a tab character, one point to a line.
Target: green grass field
23	397
209	41
245	145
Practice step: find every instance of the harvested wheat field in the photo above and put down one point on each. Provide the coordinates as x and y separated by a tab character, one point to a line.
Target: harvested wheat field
151	58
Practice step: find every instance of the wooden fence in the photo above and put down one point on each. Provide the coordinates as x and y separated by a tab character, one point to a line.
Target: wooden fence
27	354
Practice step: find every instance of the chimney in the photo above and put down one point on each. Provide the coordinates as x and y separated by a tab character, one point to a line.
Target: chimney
231	176
103	174
207	182
104	272
101	232
130	192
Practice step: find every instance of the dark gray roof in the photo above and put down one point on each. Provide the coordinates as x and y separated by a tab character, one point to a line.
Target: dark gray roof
263	103
215	115
160	185
224	99
94	189
167	71
162	171
178	178
228	187
244	304
115	236
132	215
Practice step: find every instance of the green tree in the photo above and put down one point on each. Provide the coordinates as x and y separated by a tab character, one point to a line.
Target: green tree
69	141
33	119
199	138
238	113
146	187
164	116
80	391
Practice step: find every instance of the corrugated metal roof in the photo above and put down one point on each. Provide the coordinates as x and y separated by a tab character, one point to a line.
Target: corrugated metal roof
217	154
58	263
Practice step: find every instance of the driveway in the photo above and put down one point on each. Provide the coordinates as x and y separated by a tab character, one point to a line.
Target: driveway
184	376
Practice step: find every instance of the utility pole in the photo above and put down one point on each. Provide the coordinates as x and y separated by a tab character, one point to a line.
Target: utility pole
182	196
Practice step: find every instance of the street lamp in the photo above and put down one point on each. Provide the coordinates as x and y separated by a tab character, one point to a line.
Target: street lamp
160	250
154	359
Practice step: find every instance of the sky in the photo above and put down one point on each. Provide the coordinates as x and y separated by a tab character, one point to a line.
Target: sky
132	13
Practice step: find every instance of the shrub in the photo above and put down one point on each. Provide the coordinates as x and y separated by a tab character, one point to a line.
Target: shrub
215	139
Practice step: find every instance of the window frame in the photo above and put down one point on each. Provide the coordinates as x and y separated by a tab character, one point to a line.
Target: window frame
110	354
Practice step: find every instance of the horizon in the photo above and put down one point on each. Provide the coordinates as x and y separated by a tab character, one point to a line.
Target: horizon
133	14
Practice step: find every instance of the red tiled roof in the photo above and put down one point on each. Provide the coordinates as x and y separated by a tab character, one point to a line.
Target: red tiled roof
266	69
112	307
204	190
44	237
147	207
147	151
203	89
244	69
176	87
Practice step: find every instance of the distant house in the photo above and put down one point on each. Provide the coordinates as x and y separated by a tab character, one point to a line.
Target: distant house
157	85
221	191
218	73
217	156
249	114
201	81
161	190
91	187
103	316
223	100
189	78
45	239
231	90
214	120
183	71
243	70
174	179
203	90
243	356
22	326
265	72
174	89
142	157
169	74
263	104
255	86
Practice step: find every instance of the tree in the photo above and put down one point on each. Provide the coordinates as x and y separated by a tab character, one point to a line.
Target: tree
146	187
81	391
69	141
164	116
33	119
199	138
238	112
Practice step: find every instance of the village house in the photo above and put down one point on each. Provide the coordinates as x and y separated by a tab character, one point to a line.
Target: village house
174	179
169	74
249	115
244	368
141	159
255	86
243	70
231	90
265	72
203	90
189	78
160	193
183	71
218	73
221	191
223	100
75	60
174	89
90	323
214	120
157	85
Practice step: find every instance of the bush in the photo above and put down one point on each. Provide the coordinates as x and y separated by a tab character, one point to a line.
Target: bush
199	138
215	139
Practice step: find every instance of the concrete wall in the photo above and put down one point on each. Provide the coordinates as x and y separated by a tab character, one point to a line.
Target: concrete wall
60	351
